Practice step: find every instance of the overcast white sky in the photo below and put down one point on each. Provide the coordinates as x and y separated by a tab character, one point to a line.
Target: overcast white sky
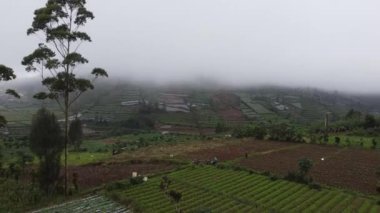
331	44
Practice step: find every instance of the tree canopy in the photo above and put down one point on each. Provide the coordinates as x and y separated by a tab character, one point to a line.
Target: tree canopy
7	74
60	22
47	143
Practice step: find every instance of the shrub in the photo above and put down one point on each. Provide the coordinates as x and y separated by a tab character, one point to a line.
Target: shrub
315	186
273	177
258	132
265	173
176	196
136	180
221	127
15	195
304	166
115	186
296	177
284	132
337	140
374	143
47	143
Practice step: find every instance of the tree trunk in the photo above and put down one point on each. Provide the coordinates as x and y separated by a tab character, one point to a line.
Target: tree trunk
66	136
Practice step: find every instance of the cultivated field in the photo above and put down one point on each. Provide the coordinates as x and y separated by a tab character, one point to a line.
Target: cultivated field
90	204
348	168
94	175
206	188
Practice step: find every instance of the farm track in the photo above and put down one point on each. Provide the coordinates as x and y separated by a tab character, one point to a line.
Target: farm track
238	150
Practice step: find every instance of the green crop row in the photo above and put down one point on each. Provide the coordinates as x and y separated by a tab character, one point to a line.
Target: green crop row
223	190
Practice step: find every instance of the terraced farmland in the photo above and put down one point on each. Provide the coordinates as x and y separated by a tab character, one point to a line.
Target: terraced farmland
91	204
248	112
222	190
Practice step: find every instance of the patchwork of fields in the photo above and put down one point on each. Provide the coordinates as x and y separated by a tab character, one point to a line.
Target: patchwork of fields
350	168
222	190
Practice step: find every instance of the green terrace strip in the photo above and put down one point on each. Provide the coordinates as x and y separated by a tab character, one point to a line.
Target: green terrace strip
90	204
207	188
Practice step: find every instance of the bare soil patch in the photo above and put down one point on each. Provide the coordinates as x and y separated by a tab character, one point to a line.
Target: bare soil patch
96	175
342	167
237	150
228	107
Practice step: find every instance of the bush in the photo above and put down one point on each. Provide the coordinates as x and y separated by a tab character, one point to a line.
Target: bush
116	186
258	132
337	140
298	178
284	132
136	180
304	166
176	196
15	195
221	127
315	186
374	143
139	122
273	177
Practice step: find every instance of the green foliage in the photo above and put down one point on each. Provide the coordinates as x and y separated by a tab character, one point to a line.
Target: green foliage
226	190
374	143
46	142
13	93
305	165
76	133
337	140
45	134
369	121
16	195
138	122
136	180
284	132
7	74
259	131
60	23
353	114
175	196
315	186
165	183
221	127
3	121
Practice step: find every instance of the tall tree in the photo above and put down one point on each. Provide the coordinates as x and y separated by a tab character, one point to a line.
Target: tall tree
76	133
60	23
7	74
46	142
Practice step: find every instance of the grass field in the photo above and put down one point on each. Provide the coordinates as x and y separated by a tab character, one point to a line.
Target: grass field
223	190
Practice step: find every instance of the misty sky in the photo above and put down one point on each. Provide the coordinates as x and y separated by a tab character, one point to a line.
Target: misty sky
331	44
